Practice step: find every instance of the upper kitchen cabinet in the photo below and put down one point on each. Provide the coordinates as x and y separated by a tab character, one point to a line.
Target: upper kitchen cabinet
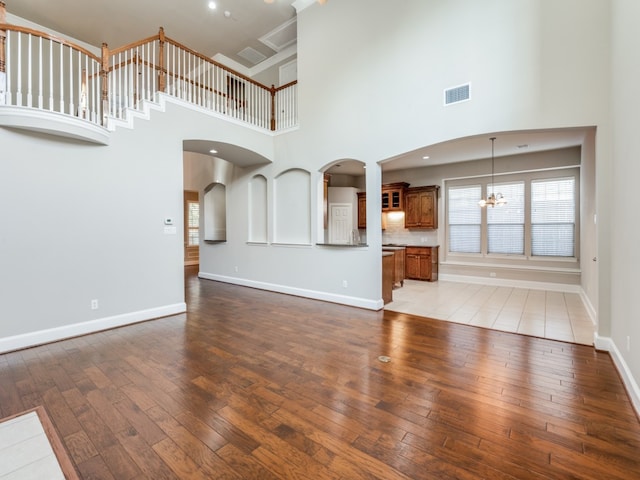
362	210
393	196
421	207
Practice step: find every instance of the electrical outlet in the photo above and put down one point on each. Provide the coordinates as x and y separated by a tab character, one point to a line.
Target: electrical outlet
492	274
94	304
345	284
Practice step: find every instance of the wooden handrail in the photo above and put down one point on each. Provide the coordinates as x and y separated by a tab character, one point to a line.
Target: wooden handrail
47	36
139	43
285	86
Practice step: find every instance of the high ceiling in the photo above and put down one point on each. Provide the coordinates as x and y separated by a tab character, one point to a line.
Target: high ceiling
233	26
229	28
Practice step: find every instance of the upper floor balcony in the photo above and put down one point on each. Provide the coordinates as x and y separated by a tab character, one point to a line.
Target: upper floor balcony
47	81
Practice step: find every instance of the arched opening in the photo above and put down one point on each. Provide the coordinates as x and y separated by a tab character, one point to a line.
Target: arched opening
344	206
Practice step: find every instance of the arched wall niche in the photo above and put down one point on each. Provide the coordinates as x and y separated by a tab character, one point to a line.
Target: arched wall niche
292	207
215	212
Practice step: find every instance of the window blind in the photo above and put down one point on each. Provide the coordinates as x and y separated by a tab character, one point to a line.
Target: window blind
505	223
464	219
193	223
553	217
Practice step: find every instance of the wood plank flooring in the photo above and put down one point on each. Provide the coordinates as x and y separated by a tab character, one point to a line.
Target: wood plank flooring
255	385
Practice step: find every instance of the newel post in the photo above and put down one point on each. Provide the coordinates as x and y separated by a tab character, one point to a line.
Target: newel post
273	107
161	77
104	71
3	46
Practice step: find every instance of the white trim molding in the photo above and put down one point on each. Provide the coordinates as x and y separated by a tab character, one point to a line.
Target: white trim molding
607	344
41	337
53	123
510	282
298	292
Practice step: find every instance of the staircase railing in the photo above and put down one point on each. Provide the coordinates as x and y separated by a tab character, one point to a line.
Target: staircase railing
42	71
39	70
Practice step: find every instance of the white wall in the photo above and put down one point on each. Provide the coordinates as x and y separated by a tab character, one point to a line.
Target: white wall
83	222
625	257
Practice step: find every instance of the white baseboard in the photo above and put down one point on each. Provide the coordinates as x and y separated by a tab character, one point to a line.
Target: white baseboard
298	292
608	345
591	311
507	282
40	337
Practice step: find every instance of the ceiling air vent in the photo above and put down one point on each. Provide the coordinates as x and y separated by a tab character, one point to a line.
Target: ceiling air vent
251	55
457	94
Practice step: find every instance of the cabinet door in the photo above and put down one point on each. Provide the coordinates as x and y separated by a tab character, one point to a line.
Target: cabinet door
362	210
386	202
427	217
412	210
425	267
412	266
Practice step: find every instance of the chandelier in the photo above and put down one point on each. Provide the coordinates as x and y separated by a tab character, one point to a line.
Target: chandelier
495	198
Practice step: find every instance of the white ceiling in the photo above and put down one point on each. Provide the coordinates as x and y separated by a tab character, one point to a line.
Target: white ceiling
191	22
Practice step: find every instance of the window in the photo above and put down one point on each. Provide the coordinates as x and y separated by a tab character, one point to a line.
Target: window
505	224
540	219
464	219
553	223
193	223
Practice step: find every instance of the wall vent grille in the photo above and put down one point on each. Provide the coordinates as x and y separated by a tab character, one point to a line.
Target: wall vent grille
461	93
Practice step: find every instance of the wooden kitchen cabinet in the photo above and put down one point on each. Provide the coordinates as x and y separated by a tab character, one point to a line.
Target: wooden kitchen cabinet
393	196
398	262
421	207
362	212
387	277
421	263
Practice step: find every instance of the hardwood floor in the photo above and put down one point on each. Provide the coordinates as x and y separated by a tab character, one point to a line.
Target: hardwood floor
255	385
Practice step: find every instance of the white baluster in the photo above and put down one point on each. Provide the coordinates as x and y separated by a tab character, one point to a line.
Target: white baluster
29	73
61	79
19	82
8	97
71	105
40	67
50	75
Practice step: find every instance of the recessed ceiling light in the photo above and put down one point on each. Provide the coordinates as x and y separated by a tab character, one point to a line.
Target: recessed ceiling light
212	5
213	151
426	157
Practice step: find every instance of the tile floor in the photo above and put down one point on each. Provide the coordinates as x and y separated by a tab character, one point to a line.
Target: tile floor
541	313
25	451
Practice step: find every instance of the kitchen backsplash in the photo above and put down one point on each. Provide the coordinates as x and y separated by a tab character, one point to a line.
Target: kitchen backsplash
396	233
